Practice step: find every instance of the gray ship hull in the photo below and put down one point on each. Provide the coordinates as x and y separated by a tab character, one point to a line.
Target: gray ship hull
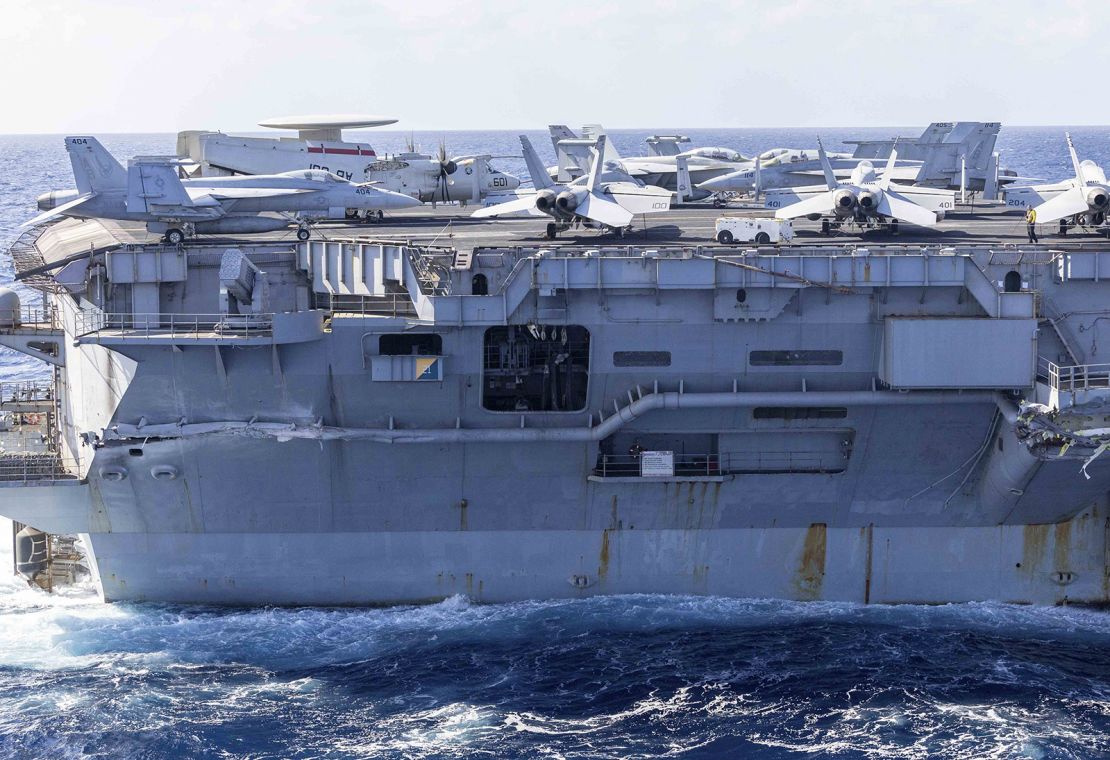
358	422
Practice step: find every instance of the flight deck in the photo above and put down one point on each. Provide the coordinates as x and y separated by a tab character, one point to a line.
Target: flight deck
452	227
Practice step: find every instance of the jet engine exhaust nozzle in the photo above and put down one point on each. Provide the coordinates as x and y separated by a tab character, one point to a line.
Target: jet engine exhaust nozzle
567	201
844	200
868	201
1098	199
545	201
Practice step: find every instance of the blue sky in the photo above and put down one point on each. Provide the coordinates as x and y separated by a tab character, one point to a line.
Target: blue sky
130	66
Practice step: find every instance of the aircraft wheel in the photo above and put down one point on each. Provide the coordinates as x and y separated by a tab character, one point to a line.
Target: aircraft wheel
174	236
303	234
763	238
718	203
825	227
1063	226
381	215
552	230
351	213
724	237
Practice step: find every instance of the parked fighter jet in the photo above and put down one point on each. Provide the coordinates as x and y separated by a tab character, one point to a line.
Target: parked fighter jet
865	199
320	145
1085	199
150	191
606	196
666	167
956	156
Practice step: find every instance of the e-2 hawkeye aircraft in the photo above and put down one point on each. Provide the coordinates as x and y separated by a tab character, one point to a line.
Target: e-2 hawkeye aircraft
605	197
319	144
1084	199
866	198
151	191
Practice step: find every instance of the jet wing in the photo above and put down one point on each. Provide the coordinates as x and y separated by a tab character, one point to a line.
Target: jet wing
1067	203
197	194
57	210
525	204
822	203
601	209
897	207
639	199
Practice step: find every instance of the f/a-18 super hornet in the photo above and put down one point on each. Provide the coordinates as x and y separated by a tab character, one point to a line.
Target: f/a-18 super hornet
604	197
666	167
865	199
151	191
950	155
1083	199
320	145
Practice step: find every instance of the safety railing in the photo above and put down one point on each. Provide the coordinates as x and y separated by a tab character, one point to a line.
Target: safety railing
728	463
387	305
91	323
29	467
1078	377
27	391
29	318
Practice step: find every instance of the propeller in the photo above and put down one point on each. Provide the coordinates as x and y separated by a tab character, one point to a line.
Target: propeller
447	167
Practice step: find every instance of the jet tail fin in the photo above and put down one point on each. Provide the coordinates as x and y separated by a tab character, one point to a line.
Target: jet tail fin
1079	178
597	165
536	169
888	172
94	168
826	167
683	185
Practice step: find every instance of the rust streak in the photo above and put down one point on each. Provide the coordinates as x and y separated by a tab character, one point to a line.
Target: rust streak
1034	541
811	569
603	557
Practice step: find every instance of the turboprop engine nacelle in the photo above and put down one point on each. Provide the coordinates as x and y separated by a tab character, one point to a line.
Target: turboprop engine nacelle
869	200
567	200
844	201
545	201
1098	198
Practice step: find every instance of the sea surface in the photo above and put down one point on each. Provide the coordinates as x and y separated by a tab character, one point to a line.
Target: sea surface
619	677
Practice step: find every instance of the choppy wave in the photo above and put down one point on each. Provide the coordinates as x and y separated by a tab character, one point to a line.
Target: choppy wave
631	676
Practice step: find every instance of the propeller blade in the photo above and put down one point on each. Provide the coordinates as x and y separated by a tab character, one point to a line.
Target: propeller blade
1068	203
601	209
898	206
822	203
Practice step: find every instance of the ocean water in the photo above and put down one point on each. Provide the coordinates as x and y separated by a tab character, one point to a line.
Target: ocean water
633	676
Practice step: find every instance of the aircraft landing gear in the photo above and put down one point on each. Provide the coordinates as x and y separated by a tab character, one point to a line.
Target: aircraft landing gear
1063	227
174	236
825	227
552	230
303	234
893	226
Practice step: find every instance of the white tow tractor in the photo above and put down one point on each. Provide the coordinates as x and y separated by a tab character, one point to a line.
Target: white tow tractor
739	229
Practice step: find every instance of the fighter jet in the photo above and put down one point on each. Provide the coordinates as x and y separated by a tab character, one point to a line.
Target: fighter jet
666	167
865	199
955	156
605	197
320	145
1085	198
151	191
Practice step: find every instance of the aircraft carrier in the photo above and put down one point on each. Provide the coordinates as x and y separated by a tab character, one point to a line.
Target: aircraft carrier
435	405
